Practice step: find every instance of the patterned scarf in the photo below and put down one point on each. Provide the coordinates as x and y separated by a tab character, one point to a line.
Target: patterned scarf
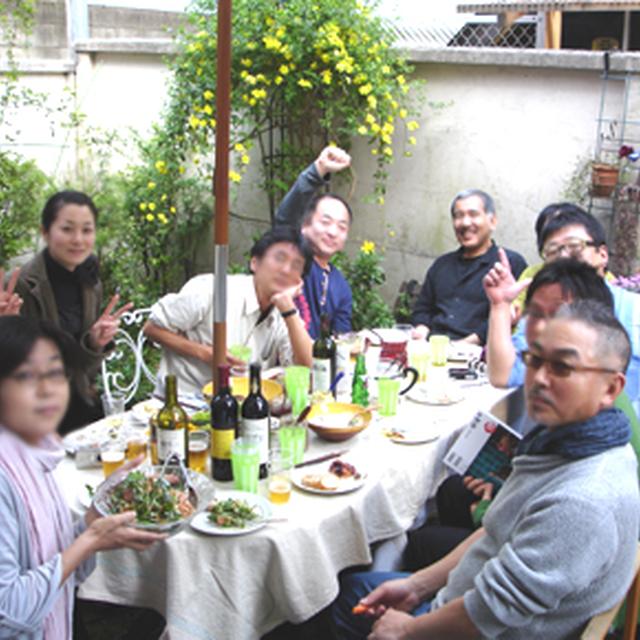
609	428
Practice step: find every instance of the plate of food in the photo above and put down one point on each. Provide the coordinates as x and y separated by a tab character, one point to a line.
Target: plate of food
413	434
145	410
95	435
233	513
438	395
162	497
329	478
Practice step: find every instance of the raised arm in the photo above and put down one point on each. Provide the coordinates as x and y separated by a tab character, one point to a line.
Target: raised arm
178	343
293	205
501	289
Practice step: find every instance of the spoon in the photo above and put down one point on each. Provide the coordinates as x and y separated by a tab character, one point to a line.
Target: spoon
357	419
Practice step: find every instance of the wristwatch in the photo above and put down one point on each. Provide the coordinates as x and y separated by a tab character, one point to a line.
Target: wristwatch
290	312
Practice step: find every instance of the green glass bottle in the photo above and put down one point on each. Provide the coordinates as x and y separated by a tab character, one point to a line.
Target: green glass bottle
172	425
359	391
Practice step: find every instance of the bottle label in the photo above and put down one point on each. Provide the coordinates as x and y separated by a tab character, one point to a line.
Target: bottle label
170	441
321	374
222	441
258	429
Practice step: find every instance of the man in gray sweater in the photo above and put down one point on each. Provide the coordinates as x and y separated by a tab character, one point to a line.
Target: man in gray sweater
558	542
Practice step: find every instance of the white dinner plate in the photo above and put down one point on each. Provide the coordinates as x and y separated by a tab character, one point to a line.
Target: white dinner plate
345	485
200	522
143	411
424	395
414	434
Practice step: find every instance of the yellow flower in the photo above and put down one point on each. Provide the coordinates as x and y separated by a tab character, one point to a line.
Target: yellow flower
260	77
234	176
387	128
272	43
259	94
142	206
239	147
208	95
372	102
150	217
252	102
163	218
151	185
326	76
244	73
207	109
203	123
212	122
269	21
374	152
325	57
413	125
392	234
245	159
402	113
401	80
388	151
408	154
193	121
280	32
181	170
283	69
161	166
252	46
386	69
412	140
368	247
151	206
249	79
385	138
172	209
305	84
278	80
375	127
380	200
246	62
369	119
362	130
365	89
164	197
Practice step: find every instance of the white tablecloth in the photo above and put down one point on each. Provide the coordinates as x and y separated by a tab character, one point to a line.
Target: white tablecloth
238	588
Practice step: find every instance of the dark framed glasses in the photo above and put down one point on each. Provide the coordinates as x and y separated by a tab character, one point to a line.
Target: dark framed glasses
573	248
558	368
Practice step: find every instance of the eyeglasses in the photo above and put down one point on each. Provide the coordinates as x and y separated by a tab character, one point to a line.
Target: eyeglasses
31	379
558	368
573	247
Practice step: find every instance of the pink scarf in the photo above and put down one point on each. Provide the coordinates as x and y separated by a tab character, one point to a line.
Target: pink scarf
29	469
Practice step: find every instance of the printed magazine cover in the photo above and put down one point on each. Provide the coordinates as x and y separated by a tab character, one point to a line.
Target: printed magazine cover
484	449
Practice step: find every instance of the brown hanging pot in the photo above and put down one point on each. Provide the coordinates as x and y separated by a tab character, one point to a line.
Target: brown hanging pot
604	178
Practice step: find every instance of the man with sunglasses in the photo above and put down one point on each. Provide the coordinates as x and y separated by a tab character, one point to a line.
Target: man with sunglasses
558	543
567	232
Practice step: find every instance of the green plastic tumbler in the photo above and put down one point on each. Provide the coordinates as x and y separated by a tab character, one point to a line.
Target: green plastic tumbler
388	393
296	382
293	438
245	463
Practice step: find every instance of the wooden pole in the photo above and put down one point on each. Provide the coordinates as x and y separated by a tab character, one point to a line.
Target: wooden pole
221	187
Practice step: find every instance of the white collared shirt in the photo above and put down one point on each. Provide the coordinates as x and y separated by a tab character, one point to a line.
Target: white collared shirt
190	313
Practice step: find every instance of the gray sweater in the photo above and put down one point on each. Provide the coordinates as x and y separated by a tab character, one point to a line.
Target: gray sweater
559	547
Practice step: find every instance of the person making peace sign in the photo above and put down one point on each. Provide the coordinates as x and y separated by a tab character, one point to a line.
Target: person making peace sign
61	284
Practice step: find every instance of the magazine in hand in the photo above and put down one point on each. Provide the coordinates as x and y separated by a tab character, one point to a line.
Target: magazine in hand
484	449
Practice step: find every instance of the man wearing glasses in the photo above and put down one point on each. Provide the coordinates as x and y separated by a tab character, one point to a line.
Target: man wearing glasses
570	232
558	543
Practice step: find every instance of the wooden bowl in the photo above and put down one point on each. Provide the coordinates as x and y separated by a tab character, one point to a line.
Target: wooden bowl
339	430
240	387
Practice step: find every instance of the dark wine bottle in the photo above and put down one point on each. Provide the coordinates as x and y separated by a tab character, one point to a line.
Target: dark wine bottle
224	426
255	417
172	425
324	358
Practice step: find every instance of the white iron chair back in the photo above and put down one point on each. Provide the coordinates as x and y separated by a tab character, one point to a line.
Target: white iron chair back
114	380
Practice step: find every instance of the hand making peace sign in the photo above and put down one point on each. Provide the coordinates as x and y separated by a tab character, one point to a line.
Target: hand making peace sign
104	329
10	302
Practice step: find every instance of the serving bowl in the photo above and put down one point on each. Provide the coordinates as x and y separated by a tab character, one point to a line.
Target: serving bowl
200	490
330	420
240	387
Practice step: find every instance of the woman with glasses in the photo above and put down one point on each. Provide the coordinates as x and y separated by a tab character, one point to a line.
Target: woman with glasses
43	553
62	285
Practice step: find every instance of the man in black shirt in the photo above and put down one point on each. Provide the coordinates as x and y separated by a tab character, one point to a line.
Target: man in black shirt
452	300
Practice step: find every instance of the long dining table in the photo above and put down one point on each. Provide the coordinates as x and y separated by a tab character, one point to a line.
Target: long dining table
241	587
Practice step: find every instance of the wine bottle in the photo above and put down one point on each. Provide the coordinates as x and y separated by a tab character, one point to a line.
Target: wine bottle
359	391
324	358
255	417
172	425
224	425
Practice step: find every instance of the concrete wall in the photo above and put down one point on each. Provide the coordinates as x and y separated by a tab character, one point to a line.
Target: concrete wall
514	123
